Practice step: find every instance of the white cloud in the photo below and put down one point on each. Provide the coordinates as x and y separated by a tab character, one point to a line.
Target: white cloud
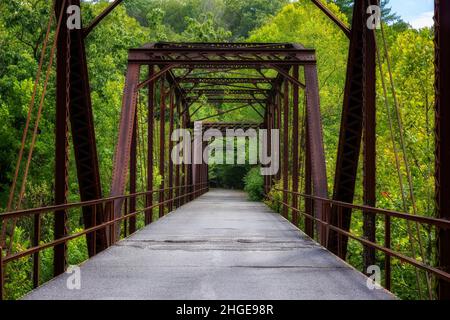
423	20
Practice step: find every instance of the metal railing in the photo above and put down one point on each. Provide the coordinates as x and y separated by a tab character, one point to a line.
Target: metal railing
110	226
327	206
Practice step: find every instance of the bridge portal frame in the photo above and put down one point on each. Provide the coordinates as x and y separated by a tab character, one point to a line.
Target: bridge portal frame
178	65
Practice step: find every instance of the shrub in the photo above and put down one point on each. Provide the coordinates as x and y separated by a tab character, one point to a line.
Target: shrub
254	185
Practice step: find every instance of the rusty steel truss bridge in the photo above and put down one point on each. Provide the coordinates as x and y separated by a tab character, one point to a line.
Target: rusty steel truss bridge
167	84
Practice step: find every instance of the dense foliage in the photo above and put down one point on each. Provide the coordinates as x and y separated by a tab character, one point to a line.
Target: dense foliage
254	182
22	28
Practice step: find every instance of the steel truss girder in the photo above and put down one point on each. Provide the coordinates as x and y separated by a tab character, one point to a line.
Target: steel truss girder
442	174
222	56
355	99
83	133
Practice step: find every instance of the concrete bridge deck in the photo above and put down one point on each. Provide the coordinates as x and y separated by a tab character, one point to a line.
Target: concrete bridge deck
220	246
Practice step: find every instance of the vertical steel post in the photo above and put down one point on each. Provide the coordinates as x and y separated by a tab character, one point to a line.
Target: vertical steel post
162	133
317	154
150	129
171	126
309	207
279	115
73	91
188	166
177	168
123	147
295	143
351	123
133	174
442	39
269	141
369	140
61	143
266	125
285	147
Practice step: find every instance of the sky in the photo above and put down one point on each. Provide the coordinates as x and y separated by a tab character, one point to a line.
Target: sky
419	13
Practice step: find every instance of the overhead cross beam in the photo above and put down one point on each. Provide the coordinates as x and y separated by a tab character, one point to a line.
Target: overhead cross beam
225	80
229	91
229	100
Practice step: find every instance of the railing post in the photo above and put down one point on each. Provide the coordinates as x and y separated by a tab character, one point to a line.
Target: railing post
387	257
339	236
125	221
36	240
94	234
2	284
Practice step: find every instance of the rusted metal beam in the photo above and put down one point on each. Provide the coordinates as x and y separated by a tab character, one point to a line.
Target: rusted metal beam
223	112
309	208
287	76
351	127
177	167
100	17
155	76
36	242
285	165
442	38
213	58
278	124
316	151
219	81
295	144
171	165
232	100
229	92
133	175
150	135
74	79
162	151
333	17
61	145
123	147
369	140
2	275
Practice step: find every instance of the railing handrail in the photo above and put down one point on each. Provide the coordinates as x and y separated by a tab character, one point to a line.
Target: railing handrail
67	238
80	204
30	212
439	273
440	223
